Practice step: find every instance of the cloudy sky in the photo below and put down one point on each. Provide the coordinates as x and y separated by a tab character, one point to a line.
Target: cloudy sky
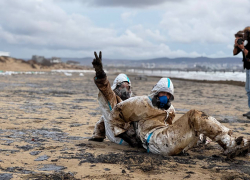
121	29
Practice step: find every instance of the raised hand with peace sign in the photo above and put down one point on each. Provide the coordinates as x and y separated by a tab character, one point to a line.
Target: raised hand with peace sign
97	64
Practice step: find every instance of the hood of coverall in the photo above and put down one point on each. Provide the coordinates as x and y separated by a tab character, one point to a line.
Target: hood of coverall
163	85
119	79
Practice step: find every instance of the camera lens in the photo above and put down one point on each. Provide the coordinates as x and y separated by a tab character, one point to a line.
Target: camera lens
240	41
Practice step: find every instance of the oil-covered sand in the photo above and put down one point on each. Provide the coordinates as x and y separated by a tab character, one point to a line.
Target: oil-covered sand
46	121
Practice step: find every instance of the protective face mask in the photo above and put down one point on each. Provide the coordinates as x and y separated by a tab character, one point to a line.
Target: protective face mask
163	101
122	93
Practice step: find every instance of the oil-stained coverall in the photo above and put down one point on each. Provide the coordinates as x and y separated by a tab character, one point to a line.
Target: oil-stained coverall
164	138
108	97
107	100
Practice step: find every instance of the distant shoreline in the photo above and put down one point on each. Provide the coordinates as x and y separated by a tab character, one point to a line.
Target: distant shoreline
229	82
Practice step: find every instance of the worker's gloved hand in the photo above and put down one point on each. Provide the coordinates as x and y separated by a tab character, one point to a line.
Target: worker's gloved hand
130	140
97	64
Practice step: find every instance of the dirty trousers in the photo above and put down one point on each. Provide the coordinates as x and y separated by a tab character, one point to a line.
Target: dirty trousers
102	129
184	134
99	131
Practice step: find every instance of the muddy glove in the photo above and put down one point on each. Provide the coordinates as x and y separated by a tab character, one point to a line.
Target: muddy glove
131	140
97	64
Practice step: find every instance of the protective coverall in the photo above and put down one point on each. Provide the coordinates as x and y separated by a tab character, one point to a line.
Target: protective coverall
167	138
107	100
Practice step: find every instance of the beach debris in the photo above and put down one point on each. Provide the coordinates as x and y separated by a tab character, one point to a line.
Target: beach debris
77	107
76	125
123	171
35	153
84	100
6	176
25	148
74	138
42	158
54	160
51	167
54	176
17	169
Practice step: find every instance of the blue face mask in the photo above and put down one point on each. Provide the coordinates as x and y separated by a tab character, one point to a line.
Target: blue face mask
163	101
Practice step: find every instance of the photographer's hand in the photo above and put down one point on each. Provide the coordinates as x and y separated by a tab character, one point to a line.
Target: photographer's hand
235	42
245	52
241	46
236	48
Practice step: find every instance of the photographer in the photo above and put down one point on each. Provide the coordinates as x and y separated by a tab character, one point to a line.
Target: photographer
242	36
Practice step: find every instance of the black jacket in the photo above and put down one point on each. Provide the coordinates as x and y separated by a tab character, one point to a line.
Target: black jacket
246	64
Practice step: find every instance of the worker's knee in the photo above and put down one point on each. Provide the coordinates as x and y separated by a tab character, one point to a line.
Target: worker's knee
196	114
196	117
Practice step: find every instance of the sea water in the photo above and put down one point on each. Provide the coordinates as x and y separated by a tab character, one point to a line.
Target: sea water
196	75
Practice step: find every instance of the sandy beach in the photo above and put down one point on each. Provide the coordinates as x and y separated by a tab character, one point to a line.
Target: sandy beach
46	121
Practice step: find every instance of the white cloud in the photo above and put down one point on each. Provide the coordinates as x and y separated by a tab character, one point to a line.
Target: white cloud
230	46
48	25
126	16
213	21
148	34
156	35
122	3
147	51
43	26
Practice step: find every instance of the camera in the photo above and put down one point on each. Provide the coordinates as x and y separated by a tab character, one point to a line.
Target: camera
240	41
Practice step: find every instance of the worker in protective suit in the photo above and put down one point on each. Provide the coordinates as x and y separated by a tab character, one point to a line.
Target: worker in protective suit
108	97
159	135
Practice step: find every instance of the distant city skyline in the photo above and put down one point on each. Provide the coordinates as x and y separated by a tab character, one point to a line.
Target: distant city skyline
141	29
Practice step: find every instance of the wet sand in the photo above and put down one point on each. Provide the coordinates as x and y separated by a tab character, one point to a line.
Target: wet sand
46	121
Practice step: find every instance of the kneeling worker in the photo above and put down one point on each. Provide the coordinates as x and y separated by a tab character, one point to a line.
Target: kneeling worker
108	97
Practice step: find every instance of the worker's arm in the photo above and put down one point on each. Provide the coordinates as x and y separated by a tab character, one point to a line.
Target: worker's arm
171	115
101	79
